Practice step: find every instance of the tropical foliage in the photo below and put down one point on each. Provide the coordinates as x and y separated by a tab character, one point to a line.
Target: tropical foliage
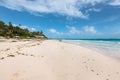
10	31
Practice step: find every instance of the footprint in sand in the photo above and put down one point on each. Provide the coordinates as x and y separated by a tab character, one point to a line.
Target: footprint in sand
117	72
33	45
16	74
86	67
83	56
93	60
84	62
31	55
11	55
18	53
88	59
92	70
72	58
42	56
1	58
38	43
108	74
26	54
22	54
62	47
7	49
97	74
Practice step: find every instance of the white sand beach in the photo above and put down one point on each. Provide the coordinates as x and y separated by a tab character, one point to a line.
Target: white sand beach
54	60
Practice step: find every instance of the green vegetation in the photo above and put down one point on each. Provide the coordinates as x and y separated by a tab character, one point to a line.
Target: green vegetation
10	31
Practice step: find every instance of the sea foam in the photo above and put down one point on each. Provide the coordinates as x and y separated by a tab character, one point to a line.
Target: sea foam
108	47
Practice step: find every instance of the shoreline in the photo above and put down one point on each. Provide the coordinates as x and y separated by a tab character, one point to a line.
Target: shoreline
94	48
54	60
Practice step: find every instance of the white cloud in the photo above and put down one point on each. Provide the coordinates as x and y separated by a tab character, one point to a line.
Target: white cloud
109	19
90	29
66	7
26	27
115	3
92	2
70	31
29	28
32	29
73	30
61	7
93	9
54	31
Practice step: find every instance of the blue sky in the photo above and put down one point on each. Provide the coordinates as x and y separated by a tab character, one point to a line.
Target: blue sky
65	18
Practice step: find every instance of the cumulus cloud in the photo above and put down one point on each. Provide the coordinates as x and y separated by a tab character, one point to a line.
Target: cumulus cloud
54	31
26	27
73	30
115	3
92	2
32	29
90	29
66	7
29	28
93	9
70	31
61	7
72	8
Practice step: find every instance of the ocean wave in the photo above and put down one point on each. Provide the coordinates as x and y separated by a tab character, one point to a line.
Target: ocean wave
107	47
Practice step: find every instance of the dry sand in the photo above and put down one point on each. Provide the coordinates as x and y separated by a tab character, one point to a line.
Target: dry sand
53	60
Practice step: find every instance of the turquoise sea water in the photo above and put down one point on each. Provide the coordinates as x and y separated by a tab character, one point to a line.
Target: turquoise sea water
110	47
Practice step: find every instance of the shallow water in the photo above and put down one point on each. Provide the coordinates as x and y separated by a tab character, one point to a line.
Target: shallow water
109	47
